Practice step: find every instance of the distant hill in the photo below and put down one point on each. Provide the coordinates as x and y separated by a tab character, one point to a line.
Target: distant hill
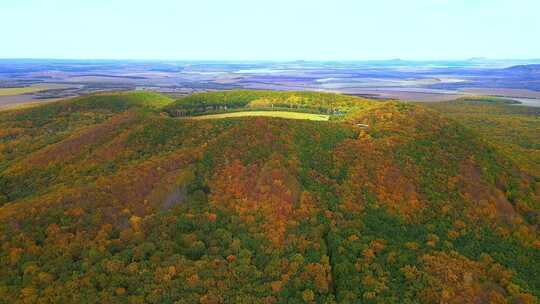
529	69
122	198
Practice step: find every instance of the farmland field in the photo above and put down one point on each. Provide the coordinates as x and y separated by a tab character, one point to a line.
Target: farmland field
29	89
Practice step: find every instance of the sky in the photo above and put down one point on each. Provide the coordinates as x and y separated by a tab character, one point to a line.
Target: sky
270	29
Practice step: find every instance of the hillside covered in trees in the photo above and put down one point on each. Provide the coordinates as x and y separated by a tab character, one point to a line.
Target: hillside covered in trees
112	198
514	130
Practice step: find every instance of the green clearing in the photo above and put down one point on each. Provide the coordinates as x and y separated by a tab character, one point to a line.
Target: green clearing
279	114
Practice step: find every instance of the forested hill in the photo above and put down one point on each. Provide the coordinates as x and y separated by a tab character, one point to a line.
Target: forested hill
111	198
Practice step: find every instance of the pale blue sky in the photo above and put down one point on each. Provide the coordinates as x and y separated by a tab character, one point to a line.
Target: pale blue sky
270	29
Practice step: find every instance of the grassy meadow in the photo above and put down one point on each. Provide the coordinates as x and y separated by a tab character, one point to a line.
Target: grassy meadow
279	114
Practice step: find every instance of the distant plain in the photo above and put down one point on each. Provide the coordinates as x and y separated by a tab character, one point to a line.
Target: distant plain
23	81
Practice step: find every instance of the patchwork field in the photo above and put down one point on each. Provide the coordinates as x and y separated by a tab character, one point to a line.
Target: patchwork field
422	81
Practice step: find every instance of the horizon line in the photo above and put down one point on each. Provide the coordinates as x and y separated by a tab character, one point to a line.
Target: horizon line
271	60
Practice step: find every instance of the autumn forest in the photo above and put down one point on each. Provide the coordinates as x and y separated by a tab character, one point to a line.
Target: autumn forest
123	198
